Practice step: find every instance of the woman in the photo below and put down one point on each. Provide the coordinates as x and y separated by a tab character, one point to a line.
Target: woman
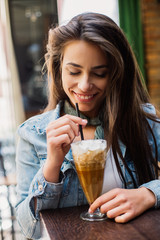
89	61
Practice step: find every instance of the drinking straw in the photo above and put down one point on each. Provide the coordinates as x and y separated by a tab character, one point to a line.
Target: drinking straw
80	126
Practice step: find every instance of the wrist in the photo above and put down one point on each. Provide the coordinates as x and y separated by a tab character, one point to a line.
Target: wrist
51	174
150	198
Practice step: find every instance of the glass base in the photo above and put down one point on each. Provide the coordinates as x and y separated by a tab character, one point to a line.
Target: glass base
96	216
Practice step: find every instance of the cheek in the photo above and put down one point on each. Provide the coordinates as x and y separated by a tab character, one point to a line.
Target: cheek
103	85
66	83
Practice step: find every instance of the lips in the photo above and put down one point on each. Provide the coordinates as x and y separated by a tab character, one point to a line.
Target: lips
84	97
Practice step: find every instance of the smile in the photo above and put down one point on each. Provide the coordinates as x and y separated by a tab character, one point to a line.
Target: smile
87	97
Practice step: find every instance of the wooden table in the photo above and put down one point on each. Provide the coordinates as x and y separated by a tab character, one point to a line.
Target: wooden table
65	224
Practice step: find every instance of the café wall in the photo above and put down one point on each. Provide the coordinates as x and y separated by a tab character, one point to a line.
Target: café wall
151	31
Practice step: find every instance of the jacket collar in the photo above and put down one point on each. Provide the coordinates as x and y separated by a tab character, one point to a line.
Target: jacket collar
47	117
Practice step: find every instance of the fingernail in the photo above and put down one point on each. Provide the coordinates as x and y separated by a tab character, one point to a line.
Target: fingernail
89	210
84	120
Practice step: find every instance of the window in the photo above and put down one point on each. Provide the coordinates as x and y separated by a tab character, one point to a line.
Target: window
30	22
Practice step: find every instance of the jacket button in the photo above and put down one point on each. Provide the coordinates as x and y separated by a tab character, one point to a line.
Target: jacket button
40	188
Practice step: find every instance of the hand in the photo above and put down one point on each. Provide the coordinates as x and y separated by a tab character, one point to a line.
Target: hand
60	134
124	204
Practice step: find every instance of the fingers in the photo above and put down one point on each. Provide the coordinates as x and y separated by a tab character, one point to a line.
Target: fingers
67	124
112	204
64	130
127	216
118	211
68	119
59	140
104	201
61	132
122	204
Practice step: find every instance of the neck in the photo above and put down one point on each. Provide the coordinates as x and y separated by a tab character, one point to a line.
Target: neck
69	109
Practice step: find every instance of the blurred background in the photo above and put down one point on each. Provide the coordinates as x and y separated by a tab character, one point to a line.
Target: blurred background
24	26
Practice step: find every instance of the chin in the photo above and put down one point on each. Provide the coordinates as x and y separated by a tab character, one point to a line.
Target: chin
84	108
88	112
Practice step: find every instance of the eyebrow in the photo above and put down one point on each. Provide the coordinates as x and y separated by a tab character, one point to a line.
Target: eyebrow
79	66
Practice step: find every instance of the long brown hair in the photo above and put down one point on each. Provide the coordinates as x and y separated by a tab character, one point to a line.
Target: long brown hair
123	115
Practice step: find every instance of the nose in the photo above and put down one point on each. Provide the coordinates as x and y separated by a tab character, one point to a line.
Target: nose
85	84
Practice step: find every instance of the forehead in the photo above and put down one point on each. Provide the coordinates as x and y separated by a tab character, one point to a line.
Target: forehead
80	50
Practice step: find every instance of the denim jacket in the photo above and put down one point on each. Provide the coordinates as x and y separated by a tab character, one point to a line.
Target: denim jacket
30	158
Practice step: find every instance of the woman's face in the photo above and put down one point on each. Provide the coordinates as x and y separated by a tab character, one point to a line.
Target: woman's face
85	76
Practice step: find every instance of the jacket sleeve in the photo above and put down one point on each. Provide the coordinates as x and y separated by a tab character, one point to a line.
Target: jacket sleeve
154	185
31	184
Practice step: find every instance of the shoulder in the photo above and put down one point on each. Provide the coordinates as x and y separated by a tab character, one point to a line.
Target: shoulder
149	108
38	124
154	121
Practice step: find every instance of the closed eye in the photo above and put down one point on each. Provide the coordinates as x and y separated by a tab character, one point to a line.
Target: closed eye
102	75
74	73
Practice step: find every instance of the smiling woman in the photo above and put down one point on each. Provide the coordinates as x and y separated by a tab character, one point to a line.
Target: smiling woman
89	62
84	76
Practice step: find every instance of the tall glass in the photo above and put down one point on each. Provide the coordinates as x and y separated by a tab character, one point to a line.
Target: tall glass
90	157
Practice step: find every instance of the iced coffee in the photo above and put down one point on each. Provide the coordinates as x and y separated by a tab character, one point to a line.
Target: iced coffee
89	157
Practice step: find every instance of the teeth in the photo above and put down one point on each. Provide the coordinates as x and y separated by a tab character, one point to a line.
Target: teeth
85	97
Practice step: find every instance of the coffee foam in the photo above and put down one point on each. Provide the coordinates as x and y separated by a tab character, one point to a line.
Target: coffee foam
89	151
88	145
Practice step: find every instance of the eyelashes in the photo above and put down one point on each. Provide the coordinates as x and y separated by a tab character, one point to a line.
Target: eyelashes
101	75
95	74
74	73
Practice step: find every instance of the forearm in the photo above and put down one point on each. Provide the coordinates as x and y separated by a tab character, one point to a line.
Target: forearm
28	213
29	218
46	193
30	226
47	196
